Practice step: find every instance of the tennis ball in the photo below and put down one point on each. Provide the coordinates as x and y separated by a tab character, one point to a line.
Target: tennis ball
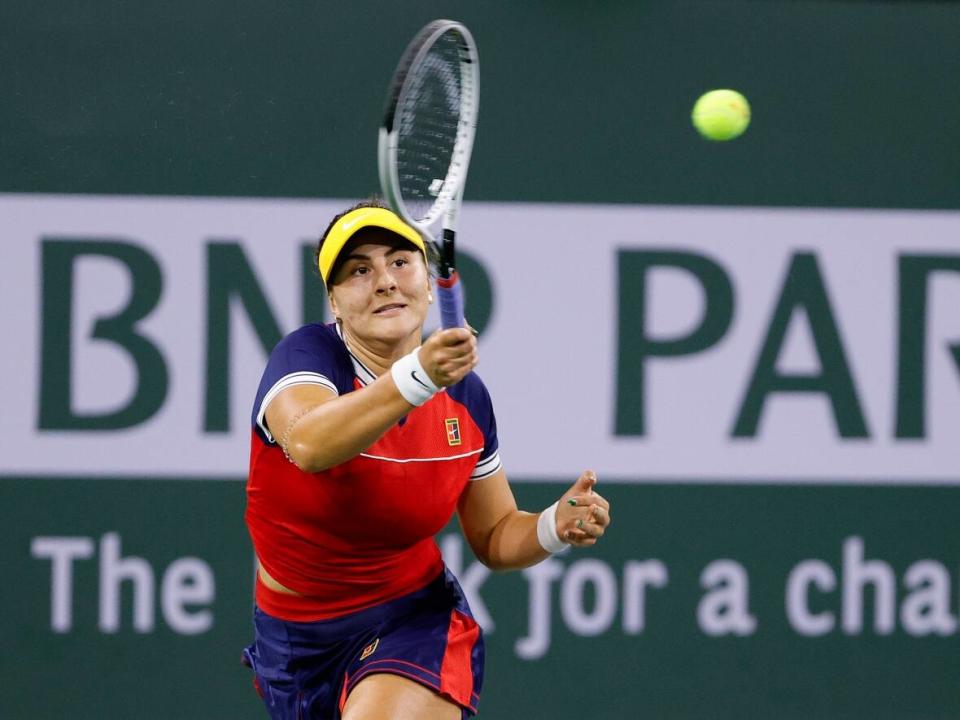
721	114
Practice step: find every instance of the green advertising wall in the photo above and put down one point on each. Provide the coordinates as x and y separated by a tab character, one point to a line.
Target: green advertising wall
765	600
640	643
854	103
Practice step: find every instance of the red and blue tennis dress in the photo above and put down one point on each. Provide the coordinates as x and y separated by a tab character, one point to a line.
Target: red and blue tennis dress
356	542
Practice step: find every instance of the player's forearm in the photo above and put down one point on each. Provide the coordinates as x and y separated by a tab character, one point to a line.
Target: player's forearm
345	426
513	543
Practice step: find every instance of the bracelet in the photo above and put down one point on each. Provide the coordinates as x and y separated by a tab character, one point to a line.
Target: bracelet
412	380
547	530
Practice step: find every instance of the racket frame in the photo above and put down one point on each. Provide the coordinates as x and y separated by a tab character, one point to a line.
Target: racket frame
446	206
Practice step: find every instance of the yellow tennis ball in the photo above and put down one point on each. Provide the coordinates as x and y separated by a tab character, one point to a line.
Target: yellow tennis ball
721	114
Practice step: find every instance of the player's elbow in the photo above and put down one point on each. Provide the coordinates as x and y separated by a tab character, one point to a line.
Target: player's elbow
483	554
502	563
498	564
498	549
307	457
481	550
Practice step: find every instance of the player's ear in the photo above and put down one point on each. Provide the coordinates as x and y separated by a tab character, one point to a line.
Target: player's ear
332	302
429	293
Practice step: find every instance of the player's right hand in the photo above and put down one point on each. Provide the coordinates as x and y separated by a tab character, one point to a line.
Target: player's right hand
448	355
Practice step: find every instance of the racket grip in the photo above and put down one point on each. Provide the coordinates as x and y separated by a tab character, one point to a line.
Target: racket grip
450	292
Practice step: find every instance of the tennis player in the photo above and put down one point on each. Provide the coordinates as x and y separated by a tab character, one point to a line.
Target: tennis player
364	443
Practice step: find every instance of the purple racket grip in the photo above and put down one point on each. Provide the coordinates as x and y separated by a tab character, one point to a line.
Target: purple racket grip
451	301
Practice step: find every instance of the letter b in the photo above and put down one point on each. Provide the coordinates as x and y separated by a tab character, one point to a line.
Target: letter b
59	257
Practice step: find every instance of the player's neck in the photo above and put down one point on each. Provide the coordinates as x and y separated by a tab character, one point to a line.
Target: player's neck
378	356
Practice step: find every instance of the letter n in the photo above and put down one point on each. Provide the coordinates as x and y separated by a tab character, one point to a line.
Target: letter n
229	277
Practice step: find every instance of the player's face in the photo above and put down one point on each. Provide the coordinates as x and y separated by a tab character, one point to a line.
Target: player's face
381	290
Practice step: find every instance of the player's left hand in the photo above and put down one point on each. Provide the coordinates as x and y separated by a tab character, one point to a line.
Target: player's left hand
582	515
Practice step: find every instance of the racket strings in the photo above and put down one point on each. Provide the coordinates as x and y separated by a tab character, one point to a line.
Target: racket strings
429	122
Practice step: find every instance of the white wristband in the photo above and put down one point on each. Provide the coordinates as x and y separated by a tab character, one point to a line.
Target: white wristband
547	530
412	380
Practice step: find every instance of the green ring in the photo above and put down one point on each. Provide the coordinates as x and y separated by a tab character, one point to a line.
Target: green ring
572	502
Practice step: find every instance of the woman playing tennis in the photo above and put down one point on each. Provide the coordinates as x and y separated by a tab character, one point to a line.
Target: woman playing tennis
366	439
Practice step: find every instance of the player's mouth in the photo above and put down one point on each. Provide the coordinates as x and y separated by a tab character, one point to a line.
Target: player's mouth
391	309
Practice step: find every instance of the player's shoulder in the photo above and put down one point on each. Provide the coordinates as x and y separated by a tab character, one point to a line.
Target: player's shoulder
471	391
313	353
313	348
312	335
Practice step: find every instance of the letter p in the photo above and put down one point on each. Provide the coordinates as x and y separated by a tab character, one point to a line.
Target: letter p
636	346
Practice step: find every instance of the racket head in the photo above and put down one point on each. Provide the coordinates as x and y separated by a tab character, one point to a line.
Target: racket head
429	122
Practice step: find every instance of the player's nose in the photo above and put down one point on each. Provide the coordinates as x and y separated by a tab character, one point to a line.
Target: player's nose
385	281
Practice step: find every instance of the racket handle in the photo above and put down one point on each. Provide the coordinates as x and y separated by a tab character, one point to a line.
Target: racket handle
450	292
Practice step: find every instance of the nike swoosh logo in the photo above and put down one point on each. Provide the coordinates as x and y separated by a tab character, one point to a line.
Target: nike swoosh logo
413	374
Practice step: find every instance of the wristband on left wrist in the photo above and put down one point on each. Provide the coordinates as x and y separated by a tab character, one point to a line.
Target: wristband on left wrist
547	530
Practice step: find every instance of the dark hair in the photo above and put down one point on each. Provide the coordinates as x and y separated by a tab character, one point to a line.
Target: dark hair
373	201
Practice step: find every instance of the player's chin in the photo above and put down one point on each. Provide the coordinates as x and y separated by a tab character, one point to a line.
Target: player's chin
398	324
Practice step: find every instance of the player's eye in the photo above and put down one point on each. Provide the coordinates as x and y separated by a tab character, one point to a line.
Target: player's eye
360	270
400	262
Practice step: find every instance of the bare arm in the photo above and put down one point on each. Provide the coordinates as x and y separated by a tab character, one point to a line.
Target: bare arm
319	429
501	536
505	538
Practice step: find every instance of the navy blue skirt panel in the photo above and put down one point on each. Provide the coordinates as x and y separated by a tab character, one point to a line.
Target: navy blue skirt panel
307	670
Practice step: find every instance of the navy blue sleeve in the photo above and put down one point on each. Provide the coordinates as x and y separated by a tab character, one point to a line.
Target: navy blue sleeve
473	394
314	354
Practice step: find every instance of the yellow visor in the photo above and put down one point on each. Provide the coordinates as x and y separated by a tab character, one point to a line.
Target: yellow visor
347	226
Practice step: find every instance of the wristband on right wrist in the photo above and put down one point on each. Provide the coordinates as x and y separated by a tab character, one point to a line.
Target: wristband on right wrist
547	530
412	380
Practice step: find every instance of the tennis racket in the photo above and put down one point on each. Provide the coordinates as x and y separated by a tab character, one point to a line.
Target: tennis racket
425	142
